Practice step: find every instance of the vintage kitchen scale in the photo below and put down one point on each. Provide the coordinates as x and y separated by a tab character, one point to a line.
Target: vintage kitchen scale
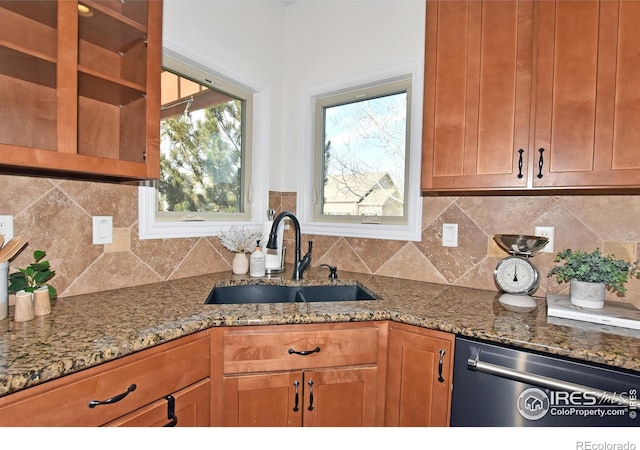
515	275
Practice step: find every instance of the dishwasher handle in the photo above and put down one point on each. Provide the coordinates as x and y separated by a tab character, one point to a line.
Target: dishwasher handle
542	381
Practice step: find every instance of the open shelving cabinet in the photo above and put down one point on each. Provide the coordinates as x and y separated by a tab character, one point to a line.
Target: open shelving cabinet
80	86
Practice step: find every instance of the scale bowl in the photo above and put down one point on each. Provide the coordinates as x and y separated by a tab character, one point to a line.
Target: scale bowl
521	244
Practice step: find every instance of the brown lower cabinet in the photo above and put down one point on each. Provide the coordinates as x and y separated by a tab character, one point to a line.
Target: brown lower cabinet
420	376
299	375
333	374
126	388
188	407
326	397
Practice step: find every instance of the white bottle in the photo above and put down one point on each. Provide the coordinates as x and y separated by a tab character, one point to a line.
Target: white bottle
257	262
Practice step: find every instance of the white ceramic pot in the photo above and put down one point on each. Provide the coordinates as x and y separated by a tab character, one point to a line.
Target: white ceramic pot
41	301
240	264
588	295
23	310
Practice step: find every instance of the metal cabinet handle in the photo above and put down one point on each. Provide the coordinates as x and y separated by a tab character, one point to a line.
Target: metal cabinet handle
546	382
540	163
440	363
171	411
304	352
310	383
520	163
117	398
297	397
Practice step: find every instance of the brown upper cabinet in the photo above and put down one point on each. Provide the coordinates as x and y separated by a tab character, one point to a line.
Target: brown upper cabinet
80	87
531	95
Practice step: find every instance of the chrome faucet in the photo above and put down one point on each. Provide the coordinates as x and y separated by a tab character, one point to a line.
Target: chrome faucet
300	264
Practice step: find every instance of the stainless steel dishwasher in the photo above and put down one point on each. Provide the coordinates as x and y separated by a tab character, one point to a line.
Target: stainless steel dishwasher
495	385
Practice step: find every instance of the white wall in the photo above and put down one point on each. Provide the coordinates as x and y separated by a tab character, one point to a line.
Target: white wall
243	37
292	48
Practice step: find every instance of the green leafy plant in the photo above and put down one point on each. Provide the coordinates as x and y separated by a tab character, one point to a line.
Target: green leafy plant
594	267
33	276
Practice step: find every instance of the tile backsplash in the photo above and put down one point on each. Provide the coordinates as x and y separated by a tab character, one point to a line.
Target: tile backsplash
55	216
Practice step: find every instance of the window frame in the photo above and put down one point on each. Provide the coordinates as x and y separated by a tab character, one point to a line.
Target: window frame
256	190
185	72
363	93
308	192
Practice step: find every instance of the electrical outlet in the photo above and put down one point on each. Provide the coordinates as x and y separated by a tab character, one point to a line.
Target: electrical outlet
549	233
6	227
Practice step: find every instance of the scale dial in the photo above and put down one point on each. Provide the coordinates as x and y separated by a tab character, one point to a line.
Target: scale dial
516	275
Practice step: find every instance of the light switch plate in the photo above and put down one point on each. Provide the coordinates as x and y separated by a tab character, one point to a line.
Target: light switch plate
102	230
449	234
6	227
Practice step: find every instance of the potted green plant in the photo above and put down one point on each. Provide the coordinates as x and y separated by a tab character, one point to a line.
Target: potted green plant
33	293
34	276
591	274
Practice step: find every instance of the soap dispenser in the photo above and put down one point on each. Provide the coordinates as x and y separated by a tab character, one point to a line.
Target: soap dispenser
257	262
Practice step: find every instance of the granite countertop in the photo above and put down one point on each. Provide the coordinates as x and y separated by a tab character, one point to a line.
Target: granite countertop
87	330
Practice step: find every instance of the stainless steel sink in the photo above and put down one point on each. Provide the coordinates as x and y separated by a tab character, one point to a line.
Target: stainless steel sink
269	293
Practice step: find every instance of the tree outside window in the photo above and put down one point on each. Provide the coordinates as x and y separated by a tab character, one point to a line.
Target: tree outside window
201	149
364	158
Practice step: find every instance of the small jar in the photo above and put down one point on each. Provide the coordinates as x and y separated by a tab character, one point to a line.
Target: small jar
23	310
240	264
41	301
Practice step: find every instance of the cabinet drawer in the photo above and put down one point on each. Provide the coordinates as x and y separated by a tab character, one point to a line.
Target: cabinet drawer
191	409
155	372
255	350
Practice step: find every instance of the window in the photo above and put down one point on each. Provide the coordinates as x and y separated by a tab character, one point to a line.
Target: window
365	161
361	148
204	149
206	156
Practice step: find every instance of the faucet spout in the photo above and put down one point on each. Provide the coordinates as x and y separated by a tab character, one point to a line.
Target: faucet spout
300	264
306	260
